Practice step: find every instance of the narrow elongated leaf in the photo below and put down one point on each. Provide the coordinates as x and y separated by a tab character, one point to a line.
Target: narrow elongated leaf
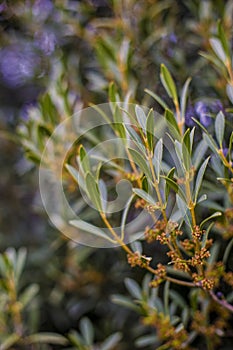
84	159
184	96
85	226
142	194
141	117
133	288
186	140
140	161
199	154
28	294
220	127
102	113
112	93
168	82
166	298
186	150
21	259
230	146
76	176
229	90
9	341
125	214
218	49
93	191
181	203
51	338
124	301
199	179
157	98
211	143
223	39
157	160
146	340
135	137
172	124
150	128
173	185
87	330
170	175
202	198
136	246
118	123
103	194
215	215
111	342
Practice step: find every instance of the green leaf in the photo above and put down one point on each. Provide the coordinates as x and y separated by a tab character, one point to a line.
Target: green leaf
145	185
84	159
146	340
172	124
142	194
51	338
210	142
135	137
133	288
173	185
112	93
199	179
229	90
93	191
103	194
181	203
206	235
157	98
85	226
141	117
21	259
48	109
87	330
186	150
186	140
150	127
124	301
168	82
125	214
102	113
199	153
157	159
223	39
28	294
218	49
215	215
230	145
9	341
136	246
76	176
118	123
184	96
220	127
217	62
140	161
111	342
166	298
202	198
170	175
